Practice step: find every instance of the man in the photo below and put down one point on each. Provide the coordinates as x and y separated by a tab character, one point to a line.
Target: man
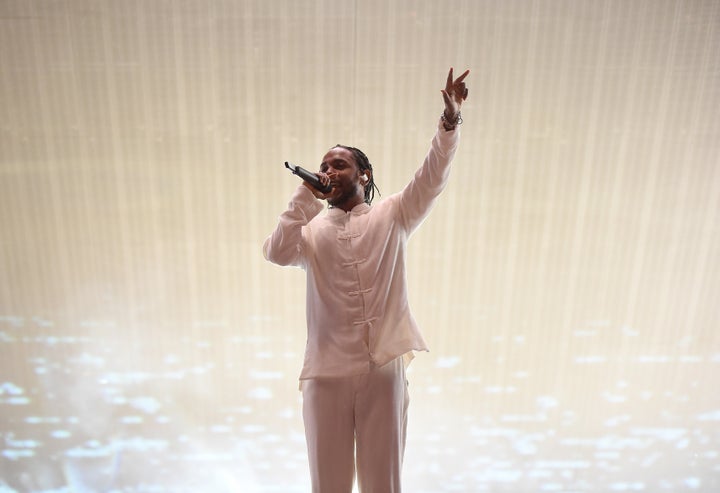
361	333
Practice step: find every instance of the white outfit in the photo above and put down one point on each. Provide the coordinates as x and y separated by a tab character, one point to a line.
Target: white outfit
357	307
359	324
360	418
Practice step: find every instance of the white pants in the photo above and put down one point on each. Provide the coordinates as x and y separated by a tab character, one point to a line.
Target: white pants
363	417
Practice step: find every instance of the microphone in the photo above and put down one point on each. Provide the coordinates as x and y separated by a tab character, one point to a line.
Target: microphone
308	177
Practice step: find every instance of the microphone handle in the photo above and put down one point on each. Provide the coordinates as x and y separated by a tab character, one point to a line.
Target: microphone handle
308	177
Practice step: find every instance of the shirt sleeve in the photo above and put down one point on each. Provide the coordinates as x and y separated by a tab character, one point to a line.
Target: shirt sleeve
285	245
418	197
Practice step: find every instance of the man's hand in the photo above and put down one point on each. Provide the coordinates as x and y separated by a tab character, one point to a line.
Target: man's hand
454	94
324	179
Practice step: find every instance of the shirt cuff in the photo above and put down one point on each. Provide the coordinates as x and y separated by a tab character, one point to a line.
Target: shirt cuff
305	200
447	138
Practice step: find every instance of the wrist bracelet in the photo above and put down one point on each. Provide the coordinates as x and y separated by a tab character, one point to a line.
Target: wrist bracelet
448	124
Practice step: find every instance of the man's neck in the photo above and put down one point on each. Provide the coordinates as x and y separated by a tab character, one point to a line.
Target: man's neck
349	205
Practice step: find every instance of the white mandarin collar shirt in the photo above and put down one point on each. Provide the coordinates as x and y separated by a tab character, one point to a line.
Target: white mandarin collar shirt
357	307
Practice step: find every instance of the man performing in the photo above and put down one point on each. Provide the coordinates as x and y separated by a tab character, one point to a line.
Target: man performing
360	332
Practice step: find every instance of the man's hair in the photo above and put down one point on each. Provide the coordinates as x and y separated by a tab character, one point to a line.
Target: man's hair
363	163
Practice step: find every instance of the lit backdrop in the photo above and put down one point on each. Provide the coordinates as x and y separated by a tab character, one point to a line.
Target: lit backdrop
567	281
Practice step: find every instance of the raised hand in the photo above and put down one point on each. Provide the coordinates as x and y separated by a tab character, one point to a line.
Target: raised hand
454	94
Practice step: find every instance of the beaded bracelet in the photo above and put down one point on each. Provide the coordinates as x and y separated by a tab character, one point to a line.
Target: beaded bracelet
450	125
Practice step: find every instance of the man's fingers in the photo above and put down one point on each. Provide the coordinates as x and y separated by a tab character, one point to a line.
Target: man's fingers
462	77
455	91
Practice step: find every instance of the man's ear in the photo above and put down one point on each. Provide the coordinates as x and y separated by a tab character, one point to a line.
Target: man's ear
364	178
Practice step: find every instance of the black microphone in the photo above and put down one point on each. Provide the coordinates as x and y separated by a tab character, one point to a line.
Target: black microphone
308	177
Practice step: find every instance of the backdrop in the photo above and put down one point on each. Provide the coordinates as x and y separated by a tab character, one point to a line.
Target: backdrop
567	281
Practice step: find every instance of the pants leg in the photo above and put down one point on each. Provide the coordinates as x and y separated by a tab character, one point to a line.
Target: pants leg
330	433
381	425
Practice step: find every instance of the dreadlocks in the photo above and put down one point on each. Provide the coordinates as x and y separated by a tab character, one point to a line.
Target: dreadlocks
363	163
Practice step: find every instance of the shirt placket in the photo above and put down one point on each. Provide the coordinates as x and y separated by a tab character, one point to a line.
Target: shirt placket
364	323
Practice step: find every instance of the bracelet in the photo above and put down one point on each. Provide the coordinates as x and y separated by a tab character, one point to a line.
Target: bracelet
450	125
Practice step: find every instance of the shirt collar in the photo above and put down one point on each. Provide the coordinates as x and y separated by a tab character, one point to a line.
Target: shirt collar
358	209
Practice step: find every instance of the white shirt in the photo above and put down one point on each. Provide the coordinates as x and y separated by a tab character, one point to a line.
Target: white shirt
357	307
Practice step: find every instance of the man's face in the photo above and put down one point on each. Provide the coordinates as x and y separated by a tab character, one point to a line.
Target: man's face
348	191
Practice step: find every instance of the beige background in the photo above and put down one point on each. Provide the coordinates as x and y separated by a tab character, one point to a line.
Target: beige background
567	281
